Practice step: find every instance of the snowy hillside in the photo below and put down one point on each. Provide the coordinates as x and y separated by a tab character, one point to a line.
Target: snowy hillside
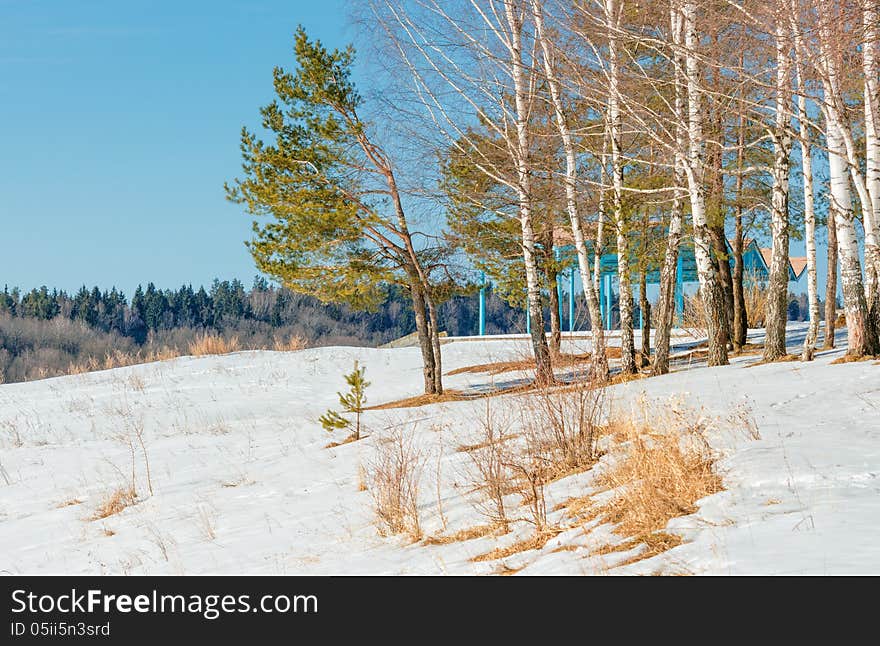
243	482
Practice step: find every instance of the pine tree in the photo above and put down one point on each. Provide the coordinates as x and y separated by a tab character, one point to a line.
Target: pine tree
338	227
352	402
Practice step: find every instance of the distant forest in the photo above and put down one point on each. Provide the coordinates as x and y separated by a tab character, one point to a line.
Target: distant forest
47	333
43	333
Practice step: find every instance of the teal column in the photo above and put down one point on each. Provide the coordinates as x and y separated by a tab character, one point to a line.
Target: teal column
602	298
679	288
528	321
571	300
483	304
608	301
558	288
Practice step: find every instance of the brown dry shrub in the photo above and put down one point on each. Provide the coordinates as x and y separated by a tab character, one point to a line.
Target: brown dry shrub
755	293
693	317
292	343
115	502
208	343
562	426
666	467
489	471
467	534
394	475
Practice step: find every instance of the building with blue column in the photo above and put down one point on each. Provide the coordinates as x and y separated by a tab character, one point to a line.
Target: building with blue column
756	268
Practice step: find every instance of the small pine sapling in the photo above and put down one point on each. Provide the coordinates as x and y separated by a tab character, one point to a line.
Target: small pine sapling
352	402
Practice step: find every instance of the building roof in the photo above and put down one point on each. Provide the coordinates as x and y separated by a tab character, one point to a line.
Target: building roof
798	264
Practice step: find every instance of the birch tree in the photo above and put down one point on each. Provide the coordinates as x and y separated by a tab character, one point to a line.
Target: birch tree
710	289
600	361
777	293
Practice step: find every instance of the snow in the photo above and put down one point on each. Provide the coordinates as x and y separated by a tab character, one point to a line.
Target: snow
243	481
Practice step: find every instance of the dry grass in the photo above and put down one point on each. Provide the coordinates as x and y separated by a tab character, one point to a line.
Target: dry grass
119	359
394	476
562	427
666	467
693	317
488	466
499	367
755	294
115	502
208	343
849	358
292	343
467	534
348	440
68	503
423	400
535	542
784	359
653	544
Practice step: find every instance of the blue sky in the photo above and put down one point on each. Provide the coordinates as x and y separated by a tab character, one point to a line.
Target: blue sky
120	123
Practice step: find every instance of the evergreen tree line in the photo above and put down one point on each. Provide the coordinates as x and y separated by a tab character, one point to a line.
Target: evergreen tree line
45	332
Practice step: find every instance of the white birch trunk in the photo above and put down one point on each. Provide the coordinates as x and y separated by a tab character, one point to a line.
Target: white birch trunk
776	315
862	339
600	359
627	342
870	18
544	370
676	217
809	222
710	288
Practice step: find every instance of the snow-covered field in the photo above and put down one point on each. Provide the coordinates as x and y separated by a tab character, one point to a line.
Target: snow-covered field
242	481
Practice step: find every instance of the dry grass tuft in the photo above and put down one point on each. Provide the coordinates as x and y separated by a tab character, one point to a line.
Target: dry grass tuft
560	361
351	438
785	359
667	466
208	343
68	503
292	343
693	316
535	542
849	358
394	476
755	301
422	400
653	543
468	534
115	502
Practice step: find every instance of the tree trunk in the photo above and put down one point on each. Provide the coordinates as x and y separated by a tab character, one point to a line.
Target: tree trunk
725	277
870	55
543	365
831	283
859	334
740	322
776	315
667	290
555	322
599	369
710	290
809	220
645	309
435	342
668	272
424	334
715	215
627	342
